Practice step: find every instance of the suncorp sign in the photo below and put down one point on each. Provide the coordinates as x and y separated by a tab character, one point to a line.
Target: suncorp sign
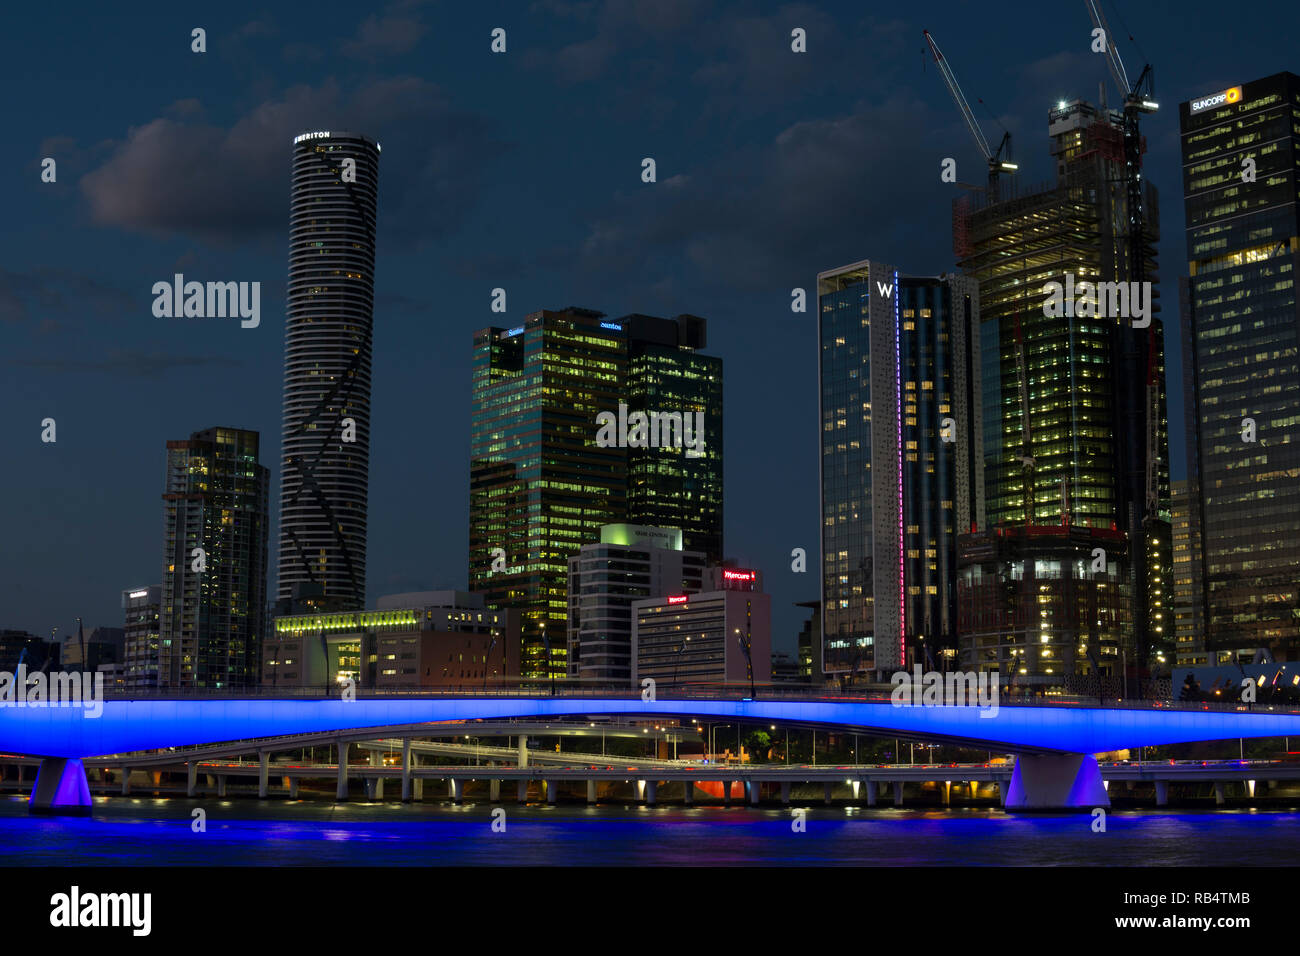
1226	98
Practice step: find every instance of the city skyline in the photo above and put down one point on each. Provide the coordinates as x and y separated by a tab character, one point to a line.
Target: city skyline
211	350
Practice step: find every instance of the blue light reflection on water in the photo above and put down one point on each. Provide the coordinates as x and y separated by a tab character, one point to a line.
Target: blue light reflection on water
246	833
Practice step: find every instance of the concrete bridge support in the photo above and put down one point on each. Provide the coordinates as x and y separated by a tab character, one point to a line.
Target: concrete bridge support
457	789
1162	793
785	793
375	785
494	790
591	792
293	787
651	787
688	792
61	789
126	781
1220	793
550	791
221	784
945	791
523	751
898	793
755	792
263	770
191	778
406	769
857	786
873	792
827	798
341	791
1056	782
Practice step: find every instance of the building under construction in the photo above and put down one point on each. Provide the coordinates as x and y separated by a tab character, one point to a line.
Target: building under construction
1075	431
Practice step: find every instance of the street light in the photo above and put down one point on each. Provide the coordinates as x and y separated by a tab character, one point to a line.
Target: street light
677	660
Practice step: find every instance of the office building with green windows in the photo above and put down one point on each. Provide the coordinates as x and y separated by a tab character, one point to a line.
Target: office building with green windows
902	469
542	485
1241	153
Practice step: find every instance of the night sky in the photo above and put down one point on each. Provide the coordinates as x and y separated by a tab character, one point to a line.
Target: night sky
519	170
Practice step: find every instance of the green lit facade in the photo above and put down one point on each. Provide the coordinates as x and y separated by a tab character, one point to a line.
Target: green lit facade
1242	335
666	488
214	604
540	488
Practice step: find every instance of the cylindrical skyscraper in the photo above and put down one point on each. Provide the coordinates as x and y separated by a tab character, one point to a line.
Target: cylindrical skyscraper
325	452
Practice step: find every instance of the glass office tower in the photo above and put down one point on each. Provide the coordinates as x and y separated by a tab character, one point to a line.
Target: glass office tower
540	487
667	488
1242	330
213	615
325	453
902	469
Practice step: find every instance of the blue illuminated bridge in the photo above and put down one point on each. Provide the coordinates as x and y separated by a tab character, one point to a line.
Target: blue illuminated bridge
1054	743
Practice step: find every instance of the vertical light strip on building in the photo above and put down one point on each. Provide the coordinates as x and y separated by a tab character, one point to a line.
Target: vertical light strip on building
902	552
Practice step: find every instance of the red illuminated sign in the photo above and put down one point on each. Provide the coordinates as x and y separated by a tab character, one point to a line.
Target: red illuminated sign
681	599
730	575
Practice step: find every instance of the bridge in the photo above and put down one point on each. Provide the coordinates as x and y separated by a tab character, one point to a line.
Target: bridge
1054	744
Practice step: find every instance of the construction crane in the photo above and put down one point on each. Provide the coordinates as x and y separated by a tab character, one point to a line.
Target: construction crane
999	161
995	158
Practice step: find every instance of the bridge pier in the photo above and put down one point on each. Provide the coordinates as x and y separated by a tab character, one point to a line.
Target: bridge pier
521	791
898	793
1056	782
873	792
1162	793
826	799
126	781
191	778
456	788
755	791
1220	793
406	769
591	792
375	785
221	784
946	791
785	793
263	771
688	792
494	790
341	791
61	788
523	750
550	792
650	787
293	788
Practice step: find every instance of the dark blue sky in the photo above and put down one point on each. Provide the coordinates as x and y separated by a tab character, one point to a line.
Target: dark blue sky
519	170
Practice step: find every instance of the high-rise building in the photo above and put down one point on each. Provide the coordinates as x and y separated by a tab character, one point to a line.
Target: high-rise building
140	614
1240	150
540	487
541	483
1189	623
213	615
902	467
669	487
722	634
1075	427
629	563
325	450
